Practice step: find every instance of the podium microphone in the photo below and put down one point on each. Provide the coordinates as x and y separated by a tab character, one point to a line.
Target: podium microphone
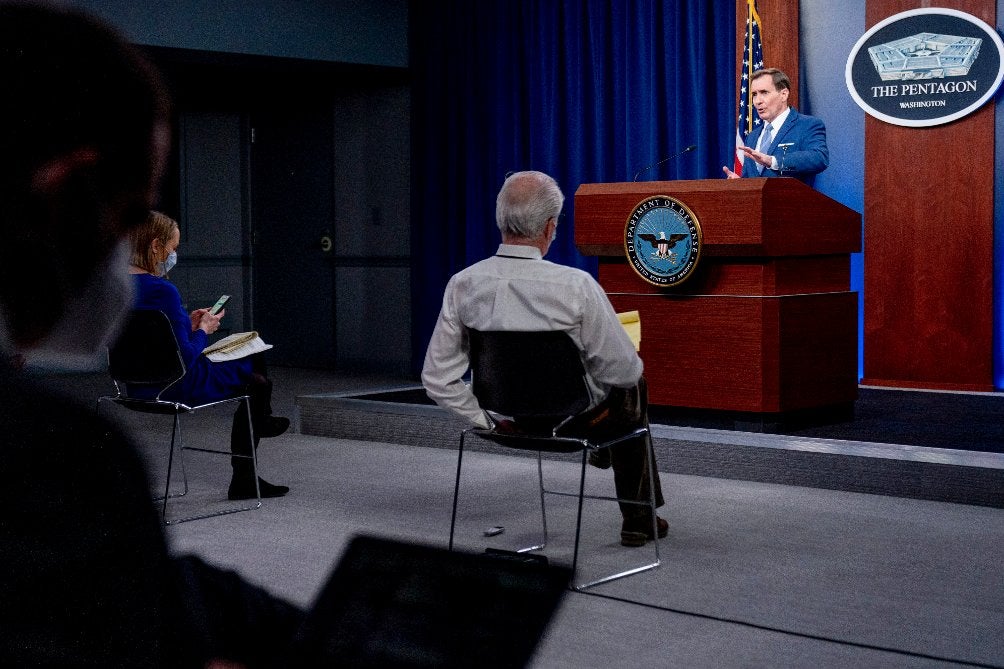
692	147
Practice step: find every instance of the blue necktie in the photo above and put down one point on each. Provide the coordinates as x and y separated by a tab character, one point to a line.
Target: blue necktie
764	144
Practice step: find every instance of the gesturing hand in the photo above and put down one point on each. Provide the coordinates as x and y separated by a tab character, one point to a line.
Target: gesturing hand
761	158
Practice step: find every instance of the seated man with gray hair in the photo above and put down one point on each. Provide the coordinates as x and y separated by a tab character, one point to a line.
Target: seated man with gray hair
518	290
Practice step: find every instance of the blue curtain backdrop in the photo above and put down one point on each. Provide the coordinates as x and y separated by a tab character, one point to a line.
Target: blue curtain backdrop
585	90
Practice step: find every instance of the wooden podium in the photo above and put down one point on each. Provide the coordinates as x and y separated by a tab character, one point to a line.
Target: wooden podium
767	323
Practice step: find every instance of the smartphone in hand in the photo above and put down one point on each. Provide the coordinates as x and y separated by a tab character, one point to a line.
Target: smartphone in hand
219	304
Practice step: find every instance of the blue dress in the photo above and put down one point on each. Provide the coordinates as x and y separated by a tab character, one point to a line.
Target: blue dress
204	380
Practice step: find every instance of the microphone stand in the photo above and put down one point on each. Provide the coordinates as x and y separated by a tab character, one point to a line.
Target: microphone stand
692	147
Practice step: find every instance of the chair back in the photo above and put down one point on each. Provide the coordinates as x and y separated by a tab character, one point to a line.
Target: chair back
146	352
528	374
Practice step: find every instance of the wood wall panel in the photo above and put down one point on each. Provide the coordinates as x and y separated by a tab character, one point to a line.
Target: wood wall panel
929	242
779	20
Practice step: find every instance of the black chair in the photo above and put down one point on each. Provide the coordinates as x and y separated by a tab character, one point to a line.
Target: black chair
146	355
538	379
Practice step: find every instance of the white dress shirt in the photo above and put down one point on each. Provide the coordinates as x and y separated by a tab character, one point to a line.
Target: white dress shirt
518	290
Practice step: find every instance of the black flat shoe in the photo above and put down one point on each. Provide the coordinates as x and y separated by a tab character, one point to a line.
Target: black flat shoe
245	490
272	426
600	458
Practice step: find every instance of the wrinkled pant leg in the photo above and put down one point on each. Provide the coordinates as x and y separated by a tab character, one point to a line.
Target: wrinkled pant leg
626	409
631	474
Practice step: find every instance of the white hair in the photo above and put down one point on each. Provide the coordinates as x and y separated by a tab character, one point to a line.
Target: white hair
525	204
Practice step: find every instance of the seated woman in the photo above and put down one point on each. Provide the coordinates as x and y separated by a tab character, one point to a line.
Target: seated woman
154	253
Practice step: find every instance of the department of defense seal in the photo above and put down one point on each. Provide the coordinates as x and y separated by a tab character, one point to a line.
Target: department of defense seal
662	240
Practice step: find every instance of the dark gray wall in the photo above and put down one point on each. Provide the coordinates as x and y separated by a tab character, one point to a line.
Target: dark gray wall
372	32
212	221
348	57
373	230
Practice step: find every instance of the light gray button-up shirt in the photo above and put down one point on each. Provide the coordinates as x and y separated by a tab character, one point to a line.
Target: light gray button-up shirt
518	290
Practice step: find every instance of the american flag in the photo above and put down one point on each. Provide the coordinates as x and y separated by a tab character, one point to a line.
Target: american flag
752	61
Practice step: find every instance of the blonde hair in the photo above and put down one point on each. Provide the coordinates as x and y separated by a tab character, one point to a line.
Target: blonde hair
157	226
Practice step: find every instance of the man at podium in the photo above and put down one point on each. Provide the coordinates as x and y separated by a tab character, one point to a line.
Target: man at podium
517	290
787	143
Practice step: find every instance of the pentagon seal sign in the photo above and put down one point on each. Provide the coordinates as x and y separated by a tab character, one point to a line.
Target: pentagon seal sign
662	240
925	67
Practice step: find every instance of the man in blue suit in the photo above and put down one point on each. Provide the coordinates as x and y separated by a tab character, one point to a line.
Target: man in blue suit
787	143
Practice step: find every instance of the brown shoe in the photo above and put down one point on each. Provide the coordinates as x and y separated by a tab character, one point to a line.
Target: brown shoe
636	532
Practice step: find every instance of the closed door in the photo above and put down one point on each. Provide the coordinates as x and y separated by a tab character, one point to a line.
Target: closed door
292	224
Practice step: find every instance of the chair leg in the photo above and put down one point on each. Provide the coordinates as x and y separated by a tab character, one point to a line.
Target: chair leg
254	453
578	514
456	488
650	462
254	468
181	460
175	433
581	495
543	511
456	496
543	508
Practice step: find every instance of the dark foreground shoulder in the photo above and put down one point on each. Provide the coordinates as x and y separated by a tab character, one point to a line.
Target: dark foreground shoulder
85	562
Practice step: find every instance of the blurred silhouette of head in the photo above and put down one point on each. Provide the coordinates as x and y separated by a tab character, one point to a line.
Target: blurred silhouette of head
84	131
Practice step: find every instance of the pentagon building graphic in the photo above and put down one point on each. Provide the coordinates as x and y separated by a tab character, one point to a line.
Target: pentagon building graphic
925	56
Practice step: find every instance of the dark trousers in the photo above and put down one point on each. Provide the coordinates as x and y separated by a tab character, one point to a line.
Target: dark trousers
623	410
259	389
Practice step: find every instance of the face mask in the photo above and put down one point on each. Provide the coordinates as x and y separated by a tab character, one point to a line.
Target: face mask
91	319
164	267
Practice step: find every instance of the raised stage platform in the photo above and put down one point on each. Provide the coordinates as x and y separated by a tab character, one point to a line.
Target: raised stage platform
922	445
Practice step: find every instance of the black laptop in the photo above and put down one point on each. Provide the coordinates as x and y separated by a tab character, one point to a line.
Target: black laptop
394	604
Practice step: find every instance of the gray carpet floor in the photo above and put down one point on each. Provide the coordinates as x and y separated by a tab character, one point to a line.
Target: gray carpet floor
753	574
